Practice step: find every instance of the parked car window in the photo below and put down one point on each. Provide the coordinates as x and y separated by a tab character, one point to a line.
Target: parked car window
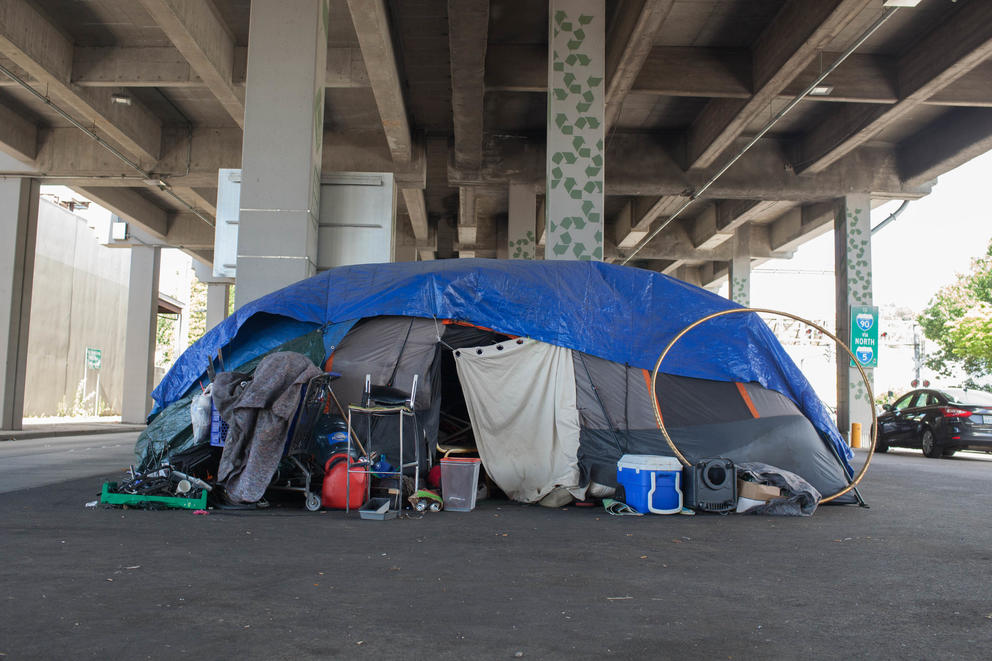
932	400
904	402
967	397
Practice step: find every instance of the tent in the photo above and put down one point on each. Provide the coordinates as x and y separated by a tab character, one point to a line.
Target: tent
550	363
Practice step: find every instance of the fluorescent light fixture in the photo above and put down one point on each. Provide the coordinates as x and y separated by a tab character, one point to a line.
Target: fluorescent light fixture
157	183
821	90
900	3
120	99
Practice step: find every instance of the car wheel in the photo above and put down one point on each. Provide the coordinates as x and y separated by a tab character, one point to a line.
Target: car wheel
880	444
929	445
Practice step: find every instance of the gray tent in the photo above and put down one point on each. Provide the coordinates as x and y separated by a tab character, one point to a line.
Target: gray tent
550	423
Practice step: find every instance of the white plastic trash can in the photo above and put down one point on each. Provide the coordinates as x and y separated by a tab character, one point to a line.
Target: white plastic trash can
459	482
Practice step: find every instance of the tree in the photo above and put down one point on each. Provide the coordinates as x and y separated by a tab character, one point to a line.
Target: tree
959	320
197	309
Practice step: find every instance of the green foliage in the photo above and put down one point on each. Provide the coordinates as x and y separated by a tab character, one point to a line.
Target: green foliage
197	309
165	339
959	320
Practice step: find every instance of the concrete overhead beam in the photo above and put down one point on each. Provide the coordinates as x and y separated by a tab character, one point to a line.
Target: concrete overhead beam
68	152
424	248
416	208
675	244
198	32
858	79
718	222
725	73
974	88
628	45
945	144
131	206
711	273
799	225
202	199
165	66
371	20
189	232
18	136
427	248
791	42
634	223
947	53
701	72
162	66
468	224
46	54
468	34
641	165
686	273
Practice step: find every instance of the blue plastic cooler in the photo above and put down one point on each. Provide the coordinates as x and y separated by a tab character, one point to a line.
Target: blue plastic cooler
652	483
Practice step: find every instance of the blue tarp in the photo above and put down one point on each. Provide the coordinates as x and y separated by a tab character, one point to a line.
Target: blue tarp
623	314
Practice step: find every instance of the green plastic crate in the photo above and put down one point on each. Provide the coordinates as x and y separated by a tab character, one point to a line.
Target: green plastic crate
108	497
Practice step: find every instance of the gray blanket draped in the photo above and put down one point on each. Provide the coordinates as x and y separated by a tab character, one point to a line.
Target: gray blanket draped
258	413
799	497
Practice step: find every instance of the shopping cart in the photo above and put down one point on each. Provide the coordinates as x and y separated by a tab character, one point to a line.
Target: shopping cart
300	466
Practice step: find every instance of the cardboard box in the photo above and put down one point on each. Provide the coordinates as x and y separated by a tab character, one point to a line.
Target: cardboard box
756	491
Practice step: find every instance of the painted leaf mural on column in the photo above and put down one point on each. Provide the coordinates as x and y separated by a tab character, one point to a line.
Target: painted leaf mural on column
575	135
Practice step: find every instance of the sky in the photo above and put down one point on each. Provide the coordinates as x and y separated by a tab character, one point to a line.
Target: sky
912	257
930	242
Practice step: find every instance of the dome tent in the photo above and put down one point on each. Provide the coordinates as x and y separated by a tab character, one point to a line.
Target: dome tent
569	342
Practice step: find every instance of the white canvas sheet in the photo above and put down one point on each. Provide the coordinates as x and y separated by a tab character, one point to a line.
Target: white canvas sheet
521	401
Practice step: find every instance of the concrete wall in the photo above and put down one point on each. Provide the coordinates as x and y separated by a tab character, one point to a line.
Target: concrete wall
79	301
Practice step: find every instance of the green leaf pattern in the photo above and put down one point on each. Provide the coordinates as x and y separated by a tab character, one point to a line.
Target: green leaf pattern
858	255
575	141
523	246
740	286
857	267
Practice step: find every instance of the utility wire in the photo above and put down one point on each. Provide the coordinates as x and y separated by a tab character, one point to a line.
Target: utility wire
774	120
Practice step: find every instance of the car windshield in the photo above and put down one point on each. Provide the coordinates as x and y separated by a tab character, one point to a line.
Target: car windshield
968	397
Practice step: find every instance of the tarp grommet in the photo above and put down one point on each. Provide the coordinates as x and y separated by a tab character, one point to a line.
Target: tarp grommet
478	352
499	347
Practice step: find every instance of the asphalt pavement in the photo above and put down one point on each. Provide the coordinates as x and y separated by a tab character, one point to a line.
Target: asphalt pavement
33	462
908	578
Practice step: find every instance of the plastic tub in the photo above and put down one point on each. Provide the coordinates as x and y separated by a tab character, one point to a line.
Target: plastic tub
652	483
459	478
377	509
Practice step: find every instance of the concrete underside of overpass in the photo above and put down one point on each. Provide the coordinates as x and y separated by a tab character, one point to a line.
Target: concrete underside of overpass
137	105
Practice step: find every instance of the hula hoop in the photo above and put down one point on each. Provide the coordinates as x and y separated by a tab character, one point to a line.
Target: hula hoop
864	377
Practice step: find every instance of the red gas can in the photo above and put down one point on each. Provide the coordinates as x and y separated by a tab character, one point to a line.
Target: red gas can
340	490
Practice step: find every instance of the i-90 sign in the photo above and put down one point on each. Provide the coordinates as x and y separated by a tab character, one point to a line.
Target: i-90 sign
864	335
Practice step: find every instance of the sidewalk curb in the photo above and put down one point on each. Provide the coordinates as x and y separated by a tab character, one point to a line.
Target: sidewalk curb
56	431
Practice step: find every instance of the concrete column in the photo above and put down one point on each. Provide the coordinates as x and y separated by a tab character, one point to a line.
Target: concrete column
281	150
576	92
139	343
218	298
19	228
521	233
852	264
740	267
